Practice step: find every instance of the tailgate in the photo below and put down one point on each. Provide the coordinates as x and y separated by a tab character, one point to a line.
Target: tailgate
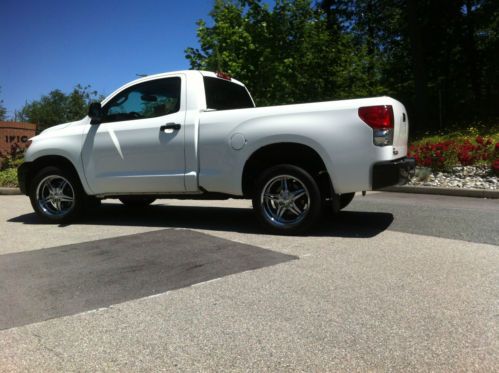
401	130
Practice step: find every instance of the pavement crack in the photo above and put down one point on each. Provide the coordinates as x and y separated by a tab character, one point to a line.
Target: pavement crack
45	347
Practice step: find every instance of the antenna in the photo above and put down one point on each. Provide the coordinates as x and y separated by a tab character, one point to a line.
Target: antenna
141	75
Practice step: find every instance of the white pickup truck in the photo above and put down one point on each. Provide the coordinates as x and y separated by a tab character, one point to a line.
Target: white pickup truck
197	134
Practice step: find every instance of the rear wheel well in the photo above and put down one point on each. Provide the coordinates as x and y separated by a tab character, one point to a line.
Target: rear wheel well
286	153
49	160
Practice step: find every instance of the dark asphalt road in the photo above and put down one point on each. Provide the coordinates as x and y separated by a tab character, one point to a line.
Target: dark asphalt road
48	283
460	218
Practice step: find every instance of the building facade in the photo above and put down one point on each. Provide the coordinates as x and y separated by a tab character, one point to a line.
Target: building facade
12	133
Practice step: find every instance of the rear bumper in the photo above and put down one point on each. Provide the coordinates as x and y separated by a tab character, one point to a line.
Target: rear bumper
22	176
390	173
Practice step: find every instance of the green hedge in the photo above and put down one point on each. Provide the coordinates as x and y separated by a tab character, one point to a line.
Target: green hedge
8	177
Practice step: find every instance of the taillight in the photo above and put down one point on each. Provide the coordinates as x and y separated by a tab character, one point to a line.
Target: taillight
380	119
380	116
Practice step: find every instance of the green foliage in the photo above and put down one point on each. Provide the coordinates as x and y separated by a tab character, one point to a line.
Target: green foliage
8	178
468	133
438	57
3	110
285	54
58	107
12	158
9	162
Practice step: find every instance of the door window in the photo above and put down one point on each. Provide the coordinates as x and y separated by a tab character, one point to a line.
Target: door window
150	99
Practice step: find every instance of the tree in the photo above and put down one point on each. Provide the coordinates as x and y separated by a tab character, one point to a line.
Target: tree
58	107
449	41
438	57
286	54
3	110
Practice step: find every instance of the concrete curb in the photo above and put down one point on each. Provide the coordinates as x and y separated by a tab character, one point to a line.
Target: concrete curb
9	191
476	193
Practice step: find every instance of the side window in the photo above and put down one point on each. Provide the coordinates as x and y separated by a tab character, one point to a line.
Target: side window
150	99
225	95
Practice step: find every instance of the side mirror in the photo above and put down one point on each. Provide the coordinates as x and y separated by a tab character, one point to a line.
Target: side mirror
95	113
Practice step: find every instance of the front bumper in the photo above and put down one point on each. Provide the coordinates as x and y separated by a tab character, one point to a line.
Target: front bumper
395	172
22	177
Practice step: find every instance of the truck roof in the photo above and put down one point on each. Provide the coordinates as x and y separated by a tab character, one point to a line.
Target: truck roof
186	72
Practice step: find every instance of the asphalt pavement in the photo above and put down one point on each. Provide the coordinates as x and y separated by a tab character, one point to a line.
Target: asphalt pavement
467	219
396	282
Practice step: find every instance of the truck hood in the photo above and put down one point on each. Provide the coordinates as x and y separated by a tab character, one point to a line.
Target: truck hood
58	127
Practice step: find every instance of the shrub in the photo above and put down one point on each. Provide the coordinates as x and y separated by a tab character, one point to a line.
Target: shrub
438	156
446	154
8	177
495	162
9	161
13	158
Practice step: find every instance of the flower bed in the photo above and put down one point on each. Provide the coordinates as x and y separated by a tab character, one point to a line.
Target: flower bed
445	155
457	164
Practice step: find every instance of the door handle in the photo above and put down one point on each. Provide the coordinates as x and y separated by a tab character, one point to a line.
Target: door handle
170	126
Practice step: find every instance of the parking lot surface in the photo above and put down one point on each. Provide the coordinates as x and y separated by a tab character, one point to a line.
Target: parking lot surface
395	282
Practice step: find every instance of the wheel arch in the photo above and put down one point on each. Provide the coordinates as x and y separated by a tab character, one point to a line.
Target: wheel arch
50	160
294	153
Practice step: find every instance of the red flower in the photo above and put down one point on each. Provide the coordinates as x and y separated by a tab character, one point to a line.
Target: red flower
495	166
479	139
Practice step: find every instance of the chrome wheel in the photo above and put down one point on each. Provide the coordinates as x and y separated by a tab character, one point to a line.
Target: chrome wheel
55	196
285	200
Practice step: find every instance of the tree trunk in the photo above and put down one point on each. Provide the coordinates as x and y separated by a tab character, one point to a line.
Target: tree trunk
419	66
470	51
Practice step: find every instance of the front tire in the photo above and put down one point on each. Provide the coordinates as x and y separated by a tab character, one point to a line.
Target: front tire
287	199
56	195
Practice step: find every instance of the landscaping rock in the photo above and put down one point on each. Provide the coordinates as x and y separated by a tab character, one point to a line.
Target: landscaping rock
466	177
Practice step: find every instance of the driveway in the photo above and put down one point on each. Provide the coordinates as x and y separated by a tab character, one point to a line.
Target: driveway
396	282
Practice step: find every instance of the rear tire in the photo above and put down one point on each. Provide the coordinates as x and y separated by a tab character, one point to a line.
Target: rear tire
92	203
56	195
287	199
137	201
345	199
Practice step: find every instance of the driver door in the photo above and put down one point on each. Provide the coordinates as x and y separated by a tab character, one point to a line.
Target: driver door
139	146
